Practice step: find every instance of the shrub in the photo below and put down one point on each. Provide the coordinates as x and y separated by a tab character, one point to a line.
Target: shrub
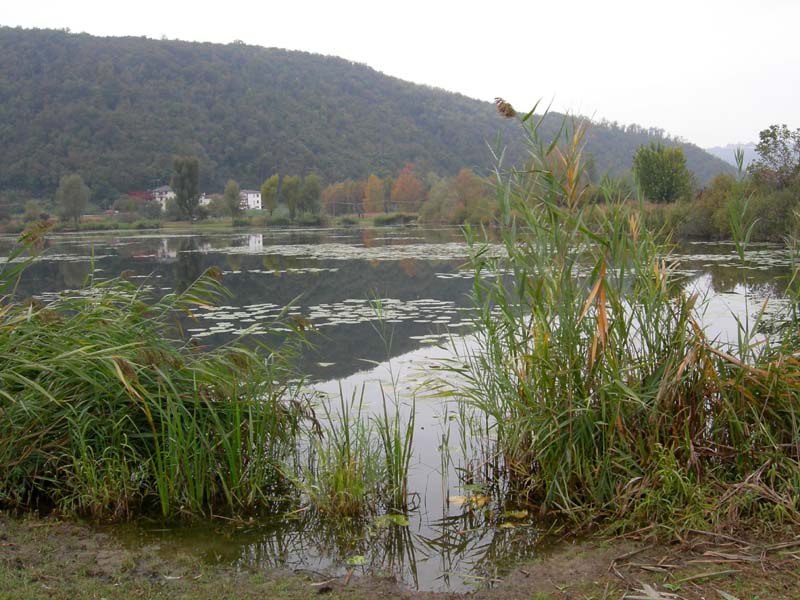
394	219
349	220
309	220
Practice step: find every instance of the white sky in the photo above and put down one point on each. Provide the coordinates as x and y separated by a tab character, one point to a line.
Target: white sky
710	71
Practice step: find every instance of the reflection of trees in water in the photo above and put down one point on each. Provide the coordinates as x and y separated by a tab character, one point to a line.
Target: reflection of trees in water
724	279
234	262
189	264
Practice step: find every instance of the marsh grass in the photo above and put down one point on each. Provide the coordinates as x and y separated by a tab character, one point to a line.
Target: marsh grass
358	461
604	395
343	471
105	410
396	435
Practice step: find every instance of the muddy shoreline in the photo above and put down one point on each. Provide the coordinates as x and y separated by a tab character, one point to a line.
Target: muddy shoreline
49	558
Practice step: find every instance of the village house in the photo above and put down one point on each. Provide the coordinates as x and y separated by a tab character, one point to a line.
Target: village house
250	200
162	195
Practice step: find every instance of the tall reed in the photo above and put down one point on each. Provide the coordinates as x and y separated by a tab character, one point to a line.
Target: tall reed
105	410
606	398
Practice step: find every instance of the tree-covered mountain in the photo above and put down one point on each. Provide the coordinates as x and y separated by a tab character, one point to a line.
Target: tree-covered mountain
116	110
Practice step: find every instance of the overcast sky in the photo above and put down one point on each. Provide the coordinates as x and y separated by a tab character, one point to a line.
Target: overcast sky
710	71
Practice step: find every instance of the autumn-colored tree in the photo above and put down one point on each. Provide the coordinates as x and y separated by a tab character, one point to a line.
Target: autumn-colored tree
332	197
344	197
464	198
269	193
373	195
408	191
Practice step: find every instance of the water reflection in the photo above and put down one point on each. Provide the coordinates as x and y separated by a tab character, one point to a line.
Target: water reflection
188	265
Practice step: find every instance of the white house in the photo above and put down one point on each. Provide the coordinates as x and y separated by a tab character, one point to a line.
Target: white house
162	194
250	200
204	200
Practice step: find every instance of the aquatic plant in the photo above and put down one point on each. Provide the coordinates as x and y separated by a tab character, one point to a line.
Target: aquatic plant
396	437
343	471
107	410
605	396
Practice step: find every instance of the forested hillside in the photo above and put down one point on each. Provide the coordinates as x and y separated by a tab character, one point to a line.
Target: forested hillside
117	110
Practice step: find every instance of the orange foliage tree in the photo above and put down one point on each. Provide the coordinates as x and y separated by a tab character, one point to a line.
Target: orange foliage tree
408	192
344	197
373	195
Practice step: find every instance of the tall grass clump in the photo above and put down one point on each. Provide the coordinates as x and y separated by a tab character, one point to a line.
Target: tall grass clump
344	469
606	399
358	463
106	410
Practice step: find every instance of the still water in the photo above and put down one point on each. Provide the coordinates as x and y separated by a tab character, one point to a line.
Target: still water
383	307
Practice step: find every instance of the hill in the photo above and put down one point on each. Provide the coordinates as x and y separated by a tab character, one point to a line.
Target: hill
726	152
117	110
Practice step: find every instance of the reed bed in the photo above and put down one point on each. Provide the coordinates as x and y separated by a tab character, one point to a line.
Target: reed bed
607	401
107	410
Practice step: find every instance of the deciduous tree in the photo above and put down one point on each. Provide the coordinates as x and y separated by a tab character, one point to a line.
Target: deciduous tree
374	200
309	195
471	190
291	192
408	191
269	193
231	198
661	172
778	159
33	212
72	196
185	183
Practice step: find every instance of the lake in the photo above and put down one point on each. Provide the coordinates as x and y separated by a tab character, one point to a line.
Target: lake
382	308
